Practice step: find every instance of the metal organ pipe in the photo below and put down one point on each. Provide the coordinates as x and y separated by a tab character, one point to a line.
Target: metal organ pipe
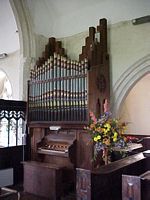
58	90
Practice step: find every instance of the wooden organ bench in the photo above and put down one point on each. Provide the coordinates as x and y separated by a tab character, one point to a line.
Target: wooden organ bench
43	178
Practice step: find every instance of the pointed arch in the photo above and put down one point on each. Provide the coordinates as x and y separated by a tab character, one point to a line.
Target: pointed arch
24	24
126	82
27	43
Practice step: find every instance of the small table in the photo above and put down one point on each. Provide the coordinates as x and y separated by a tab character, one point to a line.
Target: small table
132	148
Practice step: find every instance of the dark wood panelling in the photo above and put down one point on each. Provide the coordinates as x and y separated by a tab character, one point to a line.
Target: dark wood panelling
106	182
12	157
43	179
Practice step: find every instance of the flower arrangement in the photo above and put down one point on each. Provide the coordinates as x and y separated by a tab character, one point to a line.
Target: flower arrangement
106	132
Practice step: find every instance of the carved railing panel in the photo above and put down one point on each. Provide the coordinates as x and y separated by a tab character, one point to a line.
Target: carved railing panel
12	122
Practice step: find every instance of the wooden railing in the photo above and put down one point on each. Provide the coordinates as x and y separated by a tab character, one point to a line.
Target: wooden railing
13	152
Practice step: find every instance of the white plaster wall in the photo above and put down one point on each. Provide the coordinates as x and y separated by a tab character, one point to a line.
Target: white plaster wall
136	108
9	39
88	15
40	41
128	44
11	66
73	44
65	18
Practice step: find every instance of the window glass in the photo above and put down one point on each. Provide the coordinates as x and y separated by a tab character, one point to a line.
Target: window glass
12	125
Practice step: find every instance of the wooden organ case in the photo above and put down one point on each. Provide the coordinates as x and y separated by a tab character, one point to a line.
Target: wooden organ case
61	93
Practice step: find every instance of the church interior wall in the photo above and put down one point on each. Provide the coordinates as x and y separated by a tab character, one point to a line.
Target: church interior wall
127	44
11	67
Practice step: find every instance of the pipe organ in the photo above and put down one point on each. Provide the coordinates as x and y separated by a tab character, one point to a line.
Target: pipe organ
61	93
65	90
58	90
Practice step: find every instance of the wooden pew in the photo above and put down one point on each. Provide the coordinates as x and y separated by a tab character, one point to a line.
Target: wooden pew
105	183
137	187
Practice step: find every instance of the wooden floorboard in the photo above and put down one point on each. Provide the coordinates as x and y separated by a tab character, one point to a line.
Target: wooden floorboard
26	196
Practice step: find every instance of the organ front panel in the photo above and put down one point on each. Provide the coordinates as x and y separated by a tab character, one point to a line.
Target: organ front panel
61	93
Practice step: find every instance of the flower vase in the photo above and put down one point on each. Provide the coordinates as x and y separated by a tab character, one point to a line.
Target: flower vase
105	155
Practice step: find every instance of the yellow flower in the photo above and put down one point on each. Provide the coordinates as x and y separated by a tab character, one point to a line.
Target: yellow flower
107	125
105	131
107	128
115	139
115	134
95	139
98	137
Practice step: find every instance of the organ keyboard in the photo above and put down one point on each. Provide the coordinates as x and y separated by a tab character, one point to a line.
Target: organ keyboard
54	148
59	145
62	148
49	151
